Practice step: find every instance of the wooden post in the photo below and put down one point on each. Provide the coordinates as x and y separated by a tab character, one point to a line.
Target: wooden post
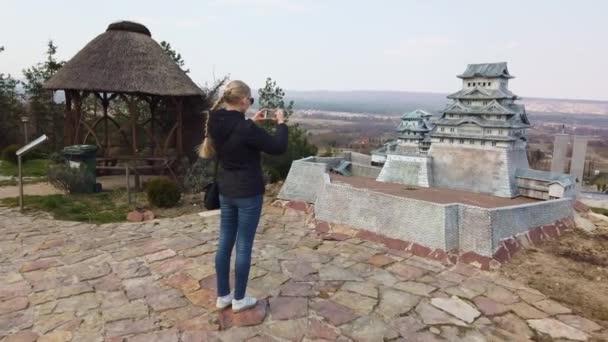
68	134
179	104
77	117
106	141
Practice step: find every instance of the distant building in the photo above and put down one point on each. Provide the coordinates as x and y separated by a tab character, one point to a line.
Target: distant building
414	132
545	185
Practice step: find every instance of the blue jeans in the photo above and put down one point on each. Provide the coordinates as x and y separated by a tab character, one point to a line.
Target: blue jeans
238	223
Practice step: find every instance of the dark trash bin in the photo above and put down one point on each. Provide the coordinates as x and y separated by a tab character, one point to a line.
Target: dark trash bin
83	155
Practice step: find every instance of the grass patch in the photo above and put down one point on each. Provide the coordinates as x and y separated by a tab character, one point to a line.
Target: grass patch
31	168
599	210
103	207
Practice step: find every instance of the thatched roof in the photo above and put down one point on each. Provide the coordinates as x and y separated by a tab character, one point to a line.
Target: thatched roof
124	59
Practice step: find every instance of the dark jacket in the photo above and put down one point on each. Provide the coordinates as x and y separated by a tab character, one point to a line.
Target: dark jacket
238	144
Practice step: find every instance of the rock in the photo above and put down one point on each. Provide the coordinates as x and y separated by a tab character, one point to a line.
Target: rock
182	282
335	313
56	336
172	265
331	272
420	289
319	330
135	216
552	307
489	307
369	328
12	305
133	310
40	264
362	305
513	324
201	322
432	316
408	325
457	307
166	300
364	288
380	260
406	272
22	336
291	330
171	335
583	223
579	322
148	215
78	303
162	255
200	336
526	311
131	269
556	329
500	294
253	316
129	327
282	308
203	297
293	289
393	303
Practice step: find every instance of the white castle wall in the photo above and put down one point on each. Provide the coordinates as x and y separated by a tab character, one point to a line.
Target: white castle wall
407	169
476	168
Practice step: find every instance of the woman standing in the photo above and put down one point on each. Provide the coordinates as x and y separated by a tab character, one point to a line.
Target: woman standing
238	143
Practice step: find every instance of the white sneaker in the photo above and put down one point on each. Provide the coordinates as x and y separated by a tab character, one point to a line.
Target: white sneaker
243	304
224	302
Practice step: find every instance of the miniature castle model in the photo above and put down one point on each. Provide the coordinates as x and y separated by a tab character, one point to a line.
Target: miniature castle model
413	132
477	145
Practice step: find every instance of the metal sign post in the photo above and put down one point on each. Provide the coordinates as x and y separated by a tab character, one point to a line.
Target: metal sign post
20	152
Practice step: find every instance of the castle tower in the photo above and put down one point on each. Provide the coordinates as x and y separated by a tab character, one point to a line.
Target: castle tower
413	132
480	139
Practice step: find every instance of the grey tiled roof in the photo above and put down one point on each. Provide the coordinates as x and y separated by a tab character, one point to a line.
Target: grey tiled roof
456	135
416	115
494	107
486	70
550	177
480	93
482	122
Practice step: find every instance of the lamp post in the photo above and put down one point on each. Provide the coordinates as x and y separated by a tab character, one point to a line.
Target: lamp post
25	120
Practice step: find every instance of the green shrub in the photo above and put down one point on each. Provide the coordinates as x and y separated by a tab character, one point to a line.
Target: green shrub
71	180
9	154
198	175
163	193
56	158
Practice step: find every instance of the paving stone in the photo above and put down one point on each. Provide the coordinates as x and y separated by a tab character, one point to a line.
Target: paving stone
199	250
56	336
369	328
513	324
383	277
111	282
201	322
368	289
182	282
158	256
362	305
501	295
406	272
293	289
47	323
380	260
420	289
407	325
552	307
556	329
239	333
394	303
462	292
332	273
490	307
12	305
291	330
166	300
18	320
137	288
78	303
40	264
182	243
579	323
254	316
432	316
159	336
457	307
531	297
455	334
203	297
86	271
298	271
17	289
131	269
282	308
130	327
317	329
133	310
200	336
172	265
200	271
335	313
22	336
526	311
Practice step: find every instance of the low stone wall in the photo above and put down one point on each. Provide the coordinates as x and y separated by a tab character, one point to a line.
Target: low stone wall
392	216
476	234
365	170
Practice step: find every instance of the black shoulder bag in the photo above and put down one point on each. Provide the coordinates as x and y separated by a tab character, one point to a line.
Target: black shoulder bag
211	201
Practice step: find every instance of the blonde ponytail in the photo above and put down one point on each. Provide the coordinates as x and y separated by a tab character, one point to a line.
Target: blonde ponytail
234	92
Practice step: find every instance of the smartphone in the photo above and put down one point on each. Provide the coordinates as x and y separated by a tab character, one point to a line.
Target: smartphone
268	112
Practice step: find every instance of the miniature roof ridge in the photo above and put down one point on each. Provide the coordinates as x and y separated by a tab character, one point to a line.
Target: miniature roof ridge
486	70
416	114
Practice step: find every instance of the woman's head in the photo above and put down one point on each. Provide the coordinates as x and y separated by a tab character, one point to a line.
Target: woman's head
236	96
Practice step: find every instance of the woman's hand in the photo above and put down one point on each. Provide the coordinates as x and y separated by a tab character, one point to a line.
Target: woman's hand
259	116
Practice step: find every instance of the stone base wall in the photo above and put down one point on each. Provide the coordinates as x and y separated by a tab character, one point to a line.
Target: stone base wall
506	249
477	169
407	169
305	179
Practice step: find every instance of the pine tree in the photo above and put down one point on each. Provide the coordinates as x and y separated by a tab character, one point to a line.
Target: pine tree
11	109
175	56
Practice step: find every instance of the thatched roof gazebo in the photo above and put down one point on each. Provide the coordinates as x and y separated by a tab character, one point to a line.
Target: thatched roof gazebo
125	62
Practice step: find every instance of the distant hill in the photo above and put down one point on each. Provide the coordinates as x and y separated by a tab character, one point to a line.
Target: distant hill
398	102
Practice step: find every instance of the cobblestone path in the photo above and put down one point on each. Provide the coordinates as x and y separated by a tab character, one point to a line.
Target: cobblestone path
154	281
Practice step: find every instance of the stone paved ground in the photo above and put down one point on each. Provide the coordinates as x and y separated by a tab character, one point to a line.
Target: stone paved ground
154	281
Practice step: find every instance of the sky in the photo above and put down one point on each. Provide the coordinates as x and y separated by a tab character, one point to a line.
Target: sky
555	48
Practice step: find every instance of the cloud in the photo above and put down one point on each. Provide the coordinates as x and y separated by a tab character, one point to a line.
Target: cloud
420	47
